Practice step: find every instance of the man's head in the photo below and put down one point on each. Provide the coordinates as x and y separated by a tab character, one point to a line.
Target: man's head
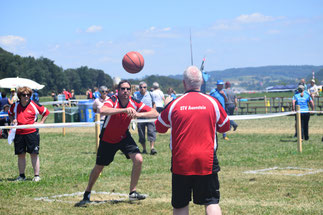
124	89
103	91
219	84
24	94
3	94
143	87
6	107
192	78
12	90
155	85
227	84
300	88
312	82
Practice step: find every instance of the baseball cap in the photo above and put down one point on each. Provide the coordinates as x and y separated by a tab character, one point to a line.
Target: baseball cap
301	87
12	89
313	80
219	82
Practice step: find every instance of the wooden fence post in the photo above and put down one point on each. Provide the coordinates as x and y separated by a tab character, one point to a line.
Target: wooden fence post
265	104
97	131
298	129
63	119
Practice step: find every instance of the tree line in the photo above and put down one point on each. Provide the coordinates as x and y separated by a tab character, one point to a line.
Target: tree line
45	71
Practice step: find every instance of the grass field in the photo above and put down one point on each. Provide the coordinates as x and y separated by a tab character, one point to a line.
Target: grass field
257	144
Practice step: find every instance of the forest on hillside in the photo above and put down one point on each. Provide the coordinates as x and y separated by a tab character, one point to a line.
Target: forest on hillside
55	78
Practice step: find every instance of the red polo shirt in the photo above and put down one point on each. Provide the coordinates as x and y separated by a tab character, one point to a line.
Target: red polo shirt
115	126
194	119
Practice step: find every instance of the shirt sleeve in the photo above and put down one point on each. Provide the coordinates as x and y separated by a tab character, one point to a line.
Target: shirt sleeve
162	123
108	103
223	124
42	110
141	107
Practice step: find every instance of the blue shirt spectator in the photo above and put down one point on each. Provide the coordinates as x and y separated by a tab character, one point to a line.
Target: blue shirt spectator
302	101
219	93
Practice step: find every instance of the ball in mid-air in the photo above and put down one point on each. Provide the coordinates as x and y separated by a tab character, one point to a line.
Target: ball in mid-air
133	62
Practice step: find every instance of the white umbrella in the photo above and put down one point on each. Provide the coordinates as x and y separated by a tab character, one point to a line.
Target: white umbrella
20	82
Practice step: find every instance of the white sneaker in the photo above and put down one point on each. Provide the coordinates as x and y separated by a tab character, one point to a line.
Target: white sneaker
20	178
36	178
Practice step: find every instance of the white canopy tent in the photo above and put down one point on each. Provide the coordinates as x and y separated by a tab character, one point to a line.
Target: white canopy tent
20	82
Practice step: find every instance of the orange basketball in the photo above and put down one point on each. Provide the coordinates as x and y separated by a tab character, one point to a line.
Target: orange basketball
133	62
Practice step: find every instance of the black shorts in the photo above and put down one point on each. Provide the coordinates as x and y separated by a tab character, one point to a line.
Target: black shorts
205	189
107	151
27	143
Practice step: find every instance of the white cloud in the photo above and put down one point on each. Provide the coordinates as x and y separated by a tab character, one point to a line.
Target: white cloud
147	51
106	59
102	44
254	18
158	32
94	28
11	41
273	31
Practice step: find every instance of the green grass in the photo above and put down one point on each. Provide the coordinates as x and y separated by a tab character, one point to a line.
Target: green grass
257	144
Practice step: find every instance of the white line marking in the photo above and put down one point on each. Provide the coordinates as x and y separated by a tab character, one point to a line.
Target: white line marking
266	171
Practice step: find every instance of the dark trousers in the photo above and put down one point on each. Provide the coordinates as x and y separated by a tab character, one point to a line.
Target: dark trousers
305	118
230	111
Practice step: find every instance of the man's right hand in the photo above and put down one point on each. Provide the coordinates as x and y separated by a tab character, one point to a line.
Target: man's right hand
131	112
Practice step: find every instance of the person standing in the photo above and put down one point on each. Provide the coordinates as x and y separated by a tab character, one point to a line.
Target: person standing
303	100
96	93
221	96
119	111
13	96
25	112
158	97
195	165
4	101
89	94
171	93
99	102
232	104
313	91
145	97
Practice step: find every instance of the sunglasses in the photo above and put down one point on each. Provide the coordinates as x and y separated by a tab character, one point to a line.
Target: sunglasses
125	88
142	87
104	91
25	95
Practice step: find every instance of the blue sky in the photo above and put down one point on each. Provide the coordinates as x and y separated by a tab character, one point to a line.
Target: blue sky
230	34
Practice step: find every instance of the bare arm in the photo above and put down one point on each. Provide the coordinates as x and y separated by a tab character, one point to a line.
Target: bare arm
43	119
312	104
112	111
294	105
150	114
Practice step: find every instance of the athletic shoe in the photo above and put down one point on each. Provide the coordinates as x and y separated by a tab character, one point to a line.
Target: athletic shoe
225	138
153	152
82	203
144	152
235	127
20	178
136	196
36	179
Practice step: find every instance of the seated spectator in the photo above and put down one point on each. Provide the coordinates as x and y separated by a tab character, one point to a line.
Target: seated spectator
4	121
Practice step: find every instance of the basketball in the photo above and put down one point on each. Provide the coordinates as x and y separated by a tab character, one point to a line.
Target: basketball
133	62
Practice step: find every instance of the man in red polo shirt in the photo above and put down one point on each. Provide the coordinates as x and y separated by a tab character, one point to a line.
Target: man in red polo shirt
25	112
194	118
119	111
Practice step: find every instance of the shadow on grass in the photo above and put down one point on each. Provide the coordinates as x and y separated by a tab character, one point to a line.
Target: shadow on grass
87	153
14	179
112	202
290	139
